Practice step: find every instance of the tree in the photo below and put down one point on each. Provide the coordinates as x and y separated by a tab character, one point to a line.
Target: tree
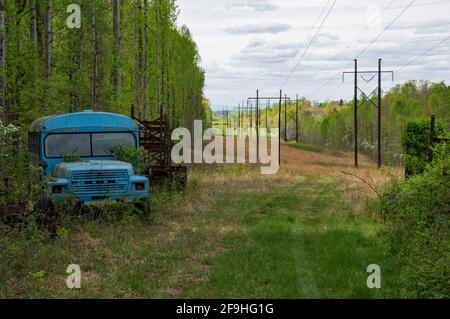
125	53
116	46
95	57
2	57
48	39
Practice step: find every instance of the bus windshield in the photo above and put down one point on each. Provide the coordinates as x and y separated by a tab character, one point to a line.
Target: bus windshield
86	145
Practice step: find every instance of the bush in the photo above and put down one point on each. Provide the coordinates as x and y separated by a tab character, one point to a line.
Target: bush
415	139
417	212
134	156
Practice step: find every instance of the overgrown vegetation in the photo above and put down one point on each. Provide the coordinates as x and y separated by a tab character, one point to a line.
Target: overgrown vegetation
417	213
125	53
134	156
415	141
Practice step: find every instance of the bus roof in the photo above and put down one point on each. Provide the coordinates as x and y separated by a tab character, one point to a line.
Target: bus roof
86	119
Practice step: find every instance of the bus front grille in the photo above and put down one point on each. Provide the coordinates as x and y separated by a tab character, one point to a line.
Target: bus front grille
104	182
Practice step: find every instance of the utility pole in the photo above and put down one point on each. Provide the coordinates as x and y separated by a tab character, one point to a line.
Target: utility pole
368	97
228	123
251	114
242	113
248	116
257	125
223	121
285	118
279	128
239	115
355	112
379	113
296	120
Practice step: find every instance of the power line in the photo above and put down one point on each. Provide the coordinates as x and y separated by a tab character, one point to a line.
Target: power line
423	54
309	45
372	42
385	29
310	32
354	39
357	37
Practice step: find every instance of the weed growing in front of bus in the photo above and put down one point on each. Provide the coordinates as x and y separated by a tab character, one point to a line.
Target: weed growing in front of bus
71	158
135	157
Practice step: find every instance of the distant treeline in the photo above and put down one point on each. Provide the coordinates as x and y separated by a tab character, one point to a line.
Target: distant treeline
125	53
331	123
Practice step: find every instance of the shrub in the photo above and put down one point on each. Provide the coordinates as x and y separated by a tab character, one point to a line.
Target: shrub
415	139
417	212
134	156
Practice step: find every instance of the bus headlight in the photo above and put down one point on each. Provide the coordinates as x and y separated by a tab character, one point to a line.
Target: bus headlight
57	189
139	186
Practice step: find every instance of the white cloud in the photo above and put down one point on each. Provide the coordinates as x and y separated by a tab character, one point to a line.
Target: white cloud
256	5
258	28
257	53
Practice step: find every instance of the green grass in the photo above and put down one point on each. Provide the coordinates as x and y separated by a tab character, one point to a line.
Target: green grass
301	240
292	248
307	147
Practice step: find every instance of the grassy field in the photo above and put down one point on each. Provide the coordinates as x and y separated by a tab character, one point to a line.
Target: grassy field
302	233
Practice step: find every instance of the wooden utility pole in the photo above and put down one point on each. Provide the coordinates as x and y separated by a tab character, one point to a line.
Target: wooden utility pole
279	128
377	105
285	117
296	120
355	105
239	115
257	125
379	113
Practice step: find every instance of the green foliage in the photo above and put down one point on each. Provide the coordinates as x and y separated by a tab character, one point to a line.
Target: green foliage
173	76
71	158
37	275
415	140
131	155
417	212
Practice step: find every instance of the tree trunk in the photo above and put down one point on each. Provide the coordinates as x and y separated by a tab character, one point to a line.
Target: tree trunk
173	88
158	89
145	106
136	62
95	66
116	47
33	21
2	58
164	75
48	39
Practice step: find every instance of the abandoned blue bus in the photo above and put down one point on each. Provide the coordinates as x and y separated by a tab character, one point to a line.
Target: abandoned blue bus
96	176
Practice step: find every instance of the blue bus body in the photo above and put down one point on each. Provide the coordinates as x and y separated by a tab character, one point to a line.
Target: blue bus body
98	176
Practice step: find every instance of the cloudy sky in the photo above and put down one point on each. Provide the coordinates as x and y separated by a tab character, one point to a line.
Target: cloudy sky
257	44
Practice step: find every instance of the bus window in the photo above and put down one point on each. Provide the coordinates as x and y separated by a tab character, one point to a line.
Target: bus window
103	143
58	145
